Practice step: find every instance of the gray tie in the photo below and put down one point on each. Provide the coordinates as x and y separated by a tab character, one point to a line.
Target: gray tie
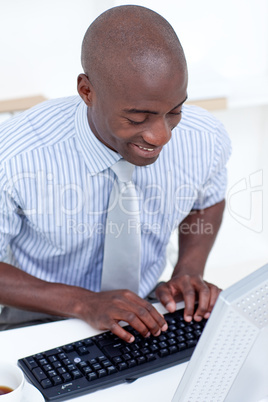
121	260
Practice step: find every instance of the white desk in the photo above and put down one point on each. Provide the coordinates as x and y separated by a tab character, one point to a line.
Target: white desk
18	343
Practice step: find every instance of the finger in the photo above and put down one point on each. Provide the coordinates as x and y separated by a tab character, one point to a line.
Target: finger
117	330
214	294
146	313
203	300
189	296
145	319
164	294
158	317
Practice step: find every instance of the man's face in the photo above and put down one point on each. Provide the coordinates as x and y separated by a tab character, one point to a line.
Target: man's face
135	116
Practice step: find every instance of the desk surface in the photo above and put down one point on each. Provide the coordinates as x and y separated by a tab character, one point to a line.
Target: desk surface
18	343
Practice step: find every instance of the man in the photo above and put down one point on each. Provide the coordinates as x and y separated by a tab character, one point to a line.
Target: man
56	179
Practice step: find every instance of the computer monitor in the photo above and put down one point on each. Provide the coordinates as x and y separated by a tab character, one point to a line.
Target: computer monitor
230	362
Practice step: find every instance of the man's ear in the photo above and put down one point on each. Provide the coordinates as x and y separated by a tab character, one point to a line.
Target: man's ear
84	89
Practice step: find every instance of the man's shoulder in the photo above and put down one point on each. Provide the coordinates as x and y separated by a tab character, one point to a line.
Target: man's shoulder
42	125
198	119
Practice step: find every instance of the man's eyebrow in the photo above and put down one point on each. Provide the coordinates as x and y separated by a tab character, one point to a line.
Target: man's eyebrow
150	111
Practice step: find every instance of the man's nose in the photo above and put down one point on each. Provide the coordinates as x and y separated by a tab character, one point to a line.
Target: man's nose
158	134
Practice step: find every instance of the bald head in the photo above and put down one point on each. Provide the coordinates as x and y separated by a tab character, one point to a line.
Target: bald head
129	40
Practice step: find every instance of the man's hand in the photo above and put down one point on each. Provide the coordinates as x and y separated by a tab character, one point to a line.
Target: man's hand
187	281
104	310
191	289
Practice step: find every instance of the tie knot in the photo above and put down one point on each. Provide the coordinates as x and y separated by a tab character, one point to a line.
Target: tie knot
123	170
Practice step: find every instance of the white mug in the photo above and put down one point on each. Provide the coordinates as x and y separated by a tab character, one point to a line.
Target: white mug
12	377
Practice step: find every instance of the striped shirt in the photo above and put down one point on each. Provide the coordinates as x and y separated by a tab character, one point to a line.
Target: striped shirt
55	181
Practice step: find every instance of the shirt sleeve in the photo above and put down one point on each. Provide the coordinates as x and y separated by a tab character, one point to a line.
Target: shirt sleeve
214	187
10	219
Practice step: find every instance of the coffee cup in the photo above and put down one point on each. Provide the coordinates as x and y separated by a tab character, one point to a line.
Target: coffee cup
11	382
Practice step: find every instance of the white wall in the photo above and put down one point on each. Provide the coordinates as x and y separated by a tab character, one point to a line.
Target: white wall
40	42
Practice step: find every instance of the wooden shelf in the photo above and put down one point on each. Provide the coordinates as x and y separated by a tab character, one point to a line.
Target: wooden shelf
18	104
210	104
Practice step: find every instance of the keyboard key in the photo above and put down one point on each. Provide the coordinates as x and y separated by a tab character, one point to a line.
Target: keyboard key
46	383
111	370
88	342
66	362
86	370
62	356
82	364
53	351
56	364
117	360
71	367
163	352
154	348
113	350
66	377
182	346
132	363
105	363
102	373
68	348
82	351
51	373
144	351
78	344
52	359
31	363
61	370
141	360
39	374
188	329
122	366
191	343
96	366
56	380
150	357
173	349
92	376
189	336
126	350
39	356
136	353
76	374
47	367
42	362
162	345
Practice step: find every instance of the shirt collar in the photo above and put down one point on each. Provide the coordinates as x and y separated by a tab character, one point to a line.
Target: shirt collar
97	156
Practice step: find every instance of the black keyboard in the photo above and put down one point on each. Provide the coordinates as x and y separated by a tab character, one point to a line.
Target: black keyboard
105	360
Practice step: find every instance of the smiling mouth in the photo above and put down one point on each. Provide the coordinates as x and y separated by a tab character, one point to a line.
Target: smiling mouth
146	149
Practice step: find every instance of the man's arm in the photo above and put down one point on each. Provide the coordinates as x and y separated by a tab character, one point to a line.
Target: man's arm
102	310
197	233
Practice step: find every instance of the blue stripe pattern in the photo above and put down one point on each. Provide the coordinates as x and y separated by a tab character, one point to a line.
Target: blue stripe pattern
55	181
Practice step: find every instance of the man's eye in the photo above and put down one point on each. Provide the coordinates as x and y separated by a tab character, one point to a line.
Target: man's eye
176	114
135	123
